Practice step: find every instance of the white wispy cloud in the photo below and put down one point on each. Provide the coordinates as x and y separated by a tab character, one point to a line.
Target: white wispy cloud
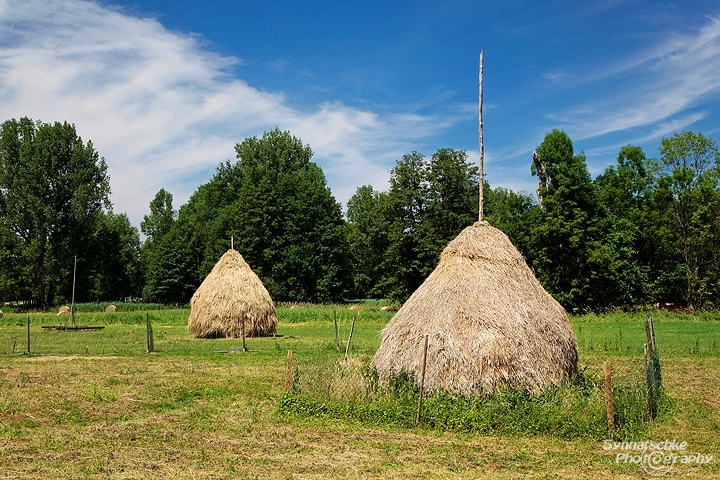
656	88
163	110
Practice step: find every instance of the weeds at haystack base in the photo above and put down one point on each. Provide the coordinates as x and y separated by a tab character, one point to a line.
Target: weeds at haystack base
352	393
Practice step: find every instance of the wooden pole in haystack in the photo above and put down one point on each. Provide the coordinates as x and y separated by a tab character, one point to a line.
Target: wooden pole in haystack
481	177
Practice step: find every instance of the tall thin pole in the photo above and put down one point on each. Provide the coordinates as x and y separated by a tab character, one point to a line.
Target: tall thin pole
422	380
481	177
352	327
337	335
243	331
609	405
72	304
288	371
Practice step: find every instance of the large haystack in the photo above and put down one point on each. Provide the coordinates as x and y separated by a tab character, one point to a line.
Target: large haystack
489	322
230	290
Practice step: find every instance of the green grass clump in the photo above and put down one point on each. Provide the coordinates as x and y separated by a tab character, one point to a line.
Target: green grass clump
573	410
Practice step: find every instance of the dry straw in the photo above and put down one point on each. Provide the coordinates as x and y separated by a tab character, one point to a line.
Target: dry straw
229	292
489	322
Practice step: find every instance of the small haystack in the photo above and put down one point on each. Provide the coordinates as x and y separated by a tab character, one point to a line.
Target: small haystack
230	290
489	323
110	309
64	310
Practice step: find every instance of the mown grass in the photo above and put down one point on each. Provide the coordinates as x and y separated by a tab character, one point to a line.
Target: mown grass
94	405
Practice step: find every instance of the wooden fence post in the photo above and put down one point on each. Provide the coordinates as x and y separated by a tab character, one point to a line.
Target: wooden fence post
352	327
149	337
651	346
337	337
422	380
652	368
288	371
243	331
609	397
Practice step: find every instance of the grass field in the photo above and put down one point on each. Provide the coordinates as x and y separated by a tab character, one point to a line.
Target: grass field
93	404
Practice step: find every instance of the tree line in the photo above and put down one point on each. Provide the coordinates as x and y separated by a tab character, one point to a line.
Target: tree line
644	231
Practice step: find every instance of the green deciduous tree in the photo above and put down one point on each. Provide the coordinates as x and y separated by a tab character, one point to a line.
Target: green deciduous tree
396	237
514	213
112	261
688	200
170	277
368	240
9	264
287	225
405	258
53	188
155	227
562	240
170	263
622	255
162	216
303	251
452	200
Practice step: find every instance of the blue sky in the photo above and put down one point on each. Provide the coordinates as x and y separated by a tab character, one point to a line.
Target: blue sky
165	89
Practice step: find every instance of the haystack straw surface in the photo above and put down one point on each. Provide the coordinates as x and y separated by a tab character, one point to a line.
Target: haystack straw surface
1	314
110	309
64	310
489	322
230	290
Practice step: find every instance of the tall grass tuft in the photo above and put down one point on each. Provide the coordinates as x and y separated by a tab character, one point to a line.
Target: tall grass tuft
350	392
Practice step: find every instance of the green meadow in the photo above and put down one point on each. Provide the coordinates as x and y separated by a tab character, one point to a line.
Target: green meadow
94	404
